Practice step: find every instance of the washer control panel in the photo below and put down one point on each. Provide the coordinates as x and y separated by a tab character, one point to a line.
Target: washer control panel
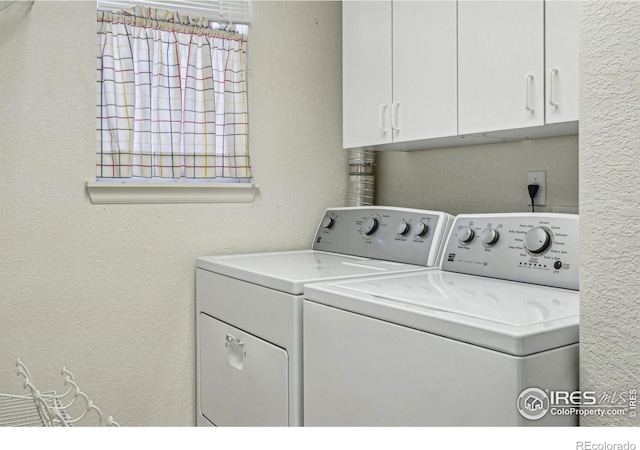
529	247
403	235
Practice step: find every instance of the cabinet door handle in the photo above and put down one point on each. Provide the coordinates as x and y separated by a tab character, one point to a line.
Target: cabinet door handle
527	103
381	122
552	87
394	116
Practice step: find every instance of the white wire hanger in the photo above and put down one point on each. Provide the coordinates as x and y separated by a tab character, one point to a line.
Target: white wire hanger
53	408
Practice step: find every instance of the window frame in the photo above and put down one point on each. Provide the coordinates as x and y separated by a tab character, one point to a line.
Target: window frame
141	192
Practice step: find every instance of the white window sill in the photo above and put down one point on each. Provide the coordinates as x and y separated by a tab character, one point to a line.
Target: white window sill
172	192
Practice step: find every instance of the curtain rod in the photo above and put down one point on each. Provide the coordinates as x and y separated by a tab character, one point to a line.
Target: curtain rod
5	5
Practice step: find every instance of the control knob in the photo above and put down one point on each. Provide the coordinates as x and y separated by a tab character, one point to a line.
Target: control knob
327	222
421	229
537	240
465	235
489	236
403	228
370	226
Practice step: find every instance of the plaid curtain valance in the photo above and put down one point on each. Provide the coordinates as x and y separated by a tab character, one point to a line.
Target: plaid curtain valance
172	99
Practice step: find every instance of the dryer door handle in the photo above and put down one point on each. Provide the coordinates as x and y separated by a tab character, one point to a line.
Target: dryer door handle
235	352
234	340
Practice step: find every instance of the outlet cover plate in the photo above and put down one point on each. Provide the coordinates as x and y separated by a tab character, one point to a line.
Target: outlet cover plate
538	177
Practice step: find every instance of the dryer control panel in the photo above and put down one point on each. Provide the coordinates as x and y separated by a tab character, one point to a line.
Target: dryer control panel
402	235
539	248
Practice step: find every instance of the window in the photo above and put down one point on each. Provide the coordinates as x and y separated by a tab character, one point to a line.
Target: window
172	97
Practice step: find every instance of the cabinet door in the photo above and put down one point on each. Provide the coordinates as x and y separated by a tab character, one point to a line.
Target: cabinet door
561	33
500	65
366	56
424	70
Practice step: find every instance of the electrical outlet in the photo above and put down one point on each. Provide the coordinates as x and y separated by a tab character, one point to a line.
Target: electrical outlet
538	177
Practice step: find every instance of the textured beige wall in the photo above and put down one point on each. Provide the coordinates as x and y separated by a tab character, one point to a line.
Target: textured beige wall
108	290
479	179
610	200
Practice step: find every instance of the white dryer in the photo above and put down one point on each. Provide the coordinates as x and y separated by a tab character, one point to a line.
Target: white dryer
487	340
249	307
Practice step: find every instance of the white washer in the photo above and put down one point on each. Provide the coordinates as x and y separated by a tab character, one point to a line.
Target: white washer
249	307
457	346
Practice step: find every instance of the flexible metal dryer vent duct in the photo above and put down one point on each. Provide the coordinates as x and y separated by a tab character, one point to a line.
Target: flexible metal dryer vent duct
360	190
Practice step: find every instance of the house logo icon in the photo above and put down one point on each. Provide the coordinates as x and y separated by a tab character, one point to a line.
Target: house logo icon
533	403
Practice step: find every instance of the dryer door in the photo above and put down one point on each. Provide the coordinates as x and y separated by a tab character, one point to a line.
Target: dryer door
243	379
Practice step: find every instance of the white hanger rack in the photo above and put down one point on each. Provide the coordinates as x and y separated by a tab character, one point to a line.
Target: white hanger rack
49	409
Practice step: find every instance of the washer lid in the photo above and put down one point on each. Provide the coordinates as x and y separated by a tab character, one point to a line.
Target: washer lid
515	318
290	271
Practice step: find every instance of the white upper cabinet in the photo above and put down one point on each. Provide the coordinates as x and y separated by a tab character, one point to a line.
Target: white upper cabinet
399	71
500	65
366	69
424	70
561	54
428	74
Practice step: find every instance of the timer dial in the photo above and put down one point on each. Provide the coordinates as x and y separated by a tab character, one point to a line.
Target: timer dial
465	235
370	226
537	240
